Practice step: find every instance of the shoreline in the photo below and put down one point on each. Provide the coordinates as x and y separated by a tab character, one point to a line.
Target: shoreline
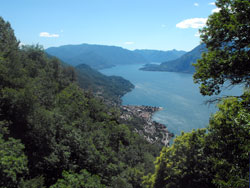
152	131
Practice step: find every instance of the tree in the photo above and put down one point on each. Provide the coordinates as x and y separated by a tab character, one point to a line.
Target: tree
59	127
37	182
13	162
8	42
227	37
183	165
228	144
82	180
216	156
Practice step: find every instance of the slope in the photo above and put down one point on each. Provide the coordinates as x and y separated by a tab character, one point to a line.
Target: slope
96	56
106	87
52	132
182	64
160	56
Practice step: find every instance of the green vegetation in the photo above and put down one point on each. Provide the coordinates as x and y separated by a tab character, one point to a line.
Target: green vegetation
101	56
110	88
160	56
227	37
216	157
96	56
181	64
84	179
219	155
13	162
55	134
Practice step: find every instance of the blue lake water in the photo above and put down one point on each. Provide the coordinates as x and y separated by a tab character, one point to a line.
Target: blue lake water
184	107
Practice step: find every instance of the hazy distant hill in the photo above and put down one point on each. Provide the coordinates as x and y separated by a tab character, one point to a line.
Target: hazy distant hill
182	64
160	56
96	56
108	87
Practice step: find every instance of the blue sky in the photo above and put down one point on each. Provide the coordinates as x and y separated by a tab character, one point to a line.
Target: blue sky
131	24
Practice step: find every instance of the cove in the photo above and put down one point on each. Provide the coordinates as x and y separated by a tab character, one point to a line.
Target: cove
183	105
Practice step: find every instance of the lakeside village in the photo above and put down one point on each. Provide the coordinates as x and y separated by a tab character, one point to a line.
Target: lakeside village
152	131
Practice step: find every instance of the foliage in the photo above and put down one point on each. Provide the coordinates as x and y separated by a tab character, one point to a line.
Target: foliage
181	64
13	162
219	155
8	40
216	157
37	182
110	88
81	180
228	144
227	61
228	41
183	164
51	128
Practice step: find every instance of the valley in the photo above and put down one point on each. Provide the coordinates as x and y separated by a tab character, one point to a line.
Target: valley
104	56
184	107
95	94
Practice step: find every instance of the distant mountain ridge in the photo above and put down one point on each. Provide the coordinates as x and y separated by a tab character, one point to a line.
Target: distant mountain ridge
102	56
96	56
182	64
160	56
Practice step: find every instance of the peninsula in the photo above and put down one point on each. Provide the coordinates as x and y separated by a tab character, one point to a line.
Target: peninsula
152	131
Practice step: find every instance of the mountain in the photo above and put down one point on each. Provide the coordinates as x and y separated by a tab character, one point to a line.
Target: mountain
54	133
106	87
160	56
182	64
96	56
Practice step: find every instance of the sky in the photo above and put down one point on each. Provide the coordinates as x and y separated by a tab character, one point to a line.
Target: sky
131	24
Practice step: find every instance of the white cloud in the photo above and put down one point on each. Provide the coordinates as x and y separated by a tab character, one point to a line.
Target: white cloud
21	44
129	43
163	25
192	23
216	10
197	34
196	4
46	34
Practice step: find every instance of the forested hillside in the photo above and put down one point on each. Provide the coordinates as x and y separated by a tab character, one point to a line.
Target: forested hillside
54	134
160	56
181	64
101	56
96	56
109	88
216	157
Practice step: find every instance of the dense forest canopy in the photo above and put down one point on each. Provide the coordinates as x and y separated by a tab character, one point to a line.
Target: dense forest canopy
55	134
109	88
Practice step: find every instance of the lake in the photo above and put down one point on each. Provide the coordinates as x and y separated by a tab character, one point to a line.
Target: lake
183	105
